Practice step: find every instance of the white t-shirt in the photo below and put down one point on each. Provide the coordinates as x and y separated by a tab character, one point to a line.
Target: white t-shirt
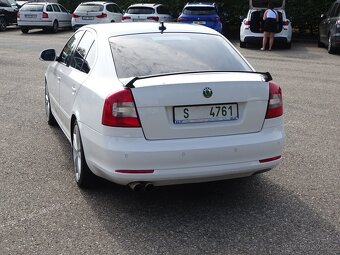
271	14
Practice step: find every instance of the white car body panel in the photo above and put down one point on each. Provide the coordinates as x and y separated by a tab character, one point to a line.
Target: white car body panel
176	156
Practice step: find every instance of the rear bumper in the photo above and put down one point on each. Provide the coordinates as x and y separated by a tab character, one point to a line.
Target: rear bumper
35	24
258	39
183	160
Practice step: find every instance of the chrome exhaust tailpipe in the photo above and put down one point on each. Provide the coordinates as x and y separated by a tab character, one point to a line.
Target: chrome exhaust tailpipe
148	186
136	186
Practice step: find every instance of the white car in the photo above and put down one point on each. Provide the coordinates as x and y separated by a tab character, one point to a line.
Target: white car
96	12
147	12
136	115
43	15
251	28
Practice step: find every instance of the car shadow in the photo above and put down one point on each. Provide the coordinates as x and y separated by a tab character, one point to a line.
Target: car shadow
240	216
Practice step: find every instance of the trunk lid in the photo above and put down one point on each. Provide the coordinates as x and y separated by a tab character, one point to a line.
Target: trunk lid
173	107
263	4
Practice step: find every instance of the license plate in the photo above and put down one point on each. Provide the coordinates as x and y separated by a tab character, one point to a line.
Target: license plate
138	20
205	113
199	22
30	16
88	18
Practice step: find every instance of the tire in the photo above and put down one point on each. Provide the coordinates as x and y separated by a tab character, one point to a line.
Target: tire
24	30
330	48
3	24
243	44
49	115
83	175
55	27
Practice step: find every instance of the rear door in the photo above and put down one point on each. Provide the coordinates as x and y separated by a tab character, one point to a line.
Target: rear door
74	75
114	12
201	105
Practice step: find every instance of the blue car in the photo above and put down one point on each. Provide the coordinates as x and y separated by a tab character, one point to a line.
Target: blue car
203	14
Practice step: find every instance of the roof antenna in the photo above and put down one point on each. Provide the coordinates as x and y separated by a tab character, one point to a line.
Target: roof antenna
162	28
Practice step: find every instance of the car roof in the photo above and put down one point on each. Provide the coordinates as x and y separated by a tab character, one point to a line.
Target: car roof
129	28
203	4
144	5
96	2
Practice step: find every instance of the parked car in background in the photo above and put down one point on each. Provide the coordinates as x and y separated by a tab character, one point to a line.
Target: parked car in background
251	30
96	12
329	28
43	15
162	104
147	12
8	14
202	14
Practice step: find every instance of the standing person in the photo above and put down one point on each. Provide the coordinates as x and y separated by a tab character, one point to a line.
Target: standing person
270	18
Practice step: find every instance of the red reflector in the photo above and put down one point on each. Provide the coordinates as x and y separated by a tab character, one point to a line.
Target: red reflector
135	171
285	23
75	16
45	15
269	159
101	16
126	17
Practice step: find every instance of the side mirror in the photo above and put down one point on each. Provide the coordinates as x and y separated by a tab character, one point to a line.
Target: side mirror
48	55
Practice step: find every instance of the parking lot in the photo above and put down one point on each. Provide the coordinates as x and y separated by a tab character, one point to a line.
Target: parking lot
293	209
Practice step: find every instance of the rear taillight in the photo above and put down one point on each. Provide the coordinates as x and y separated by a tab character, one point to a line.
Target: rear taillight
120	111
275	102
18	15
75	16
181	19
155	18
246	22
126	17
102	16
45	15
285	23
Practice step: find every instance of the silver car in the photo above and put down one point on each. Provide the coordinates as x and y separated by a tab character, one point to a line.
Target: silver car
46	16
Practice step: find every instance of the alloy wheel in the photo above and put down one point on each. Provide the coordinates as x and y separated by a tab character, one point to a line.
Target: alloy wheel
77	152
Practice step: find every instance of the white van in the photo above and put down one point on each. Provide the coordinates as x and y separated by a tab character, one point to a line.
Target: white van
251	31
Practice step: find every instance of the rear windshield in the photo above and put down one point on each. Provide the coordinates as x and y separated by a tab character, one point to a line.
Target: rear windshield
199	10
152	54
90	8
264	3
32	7
140	10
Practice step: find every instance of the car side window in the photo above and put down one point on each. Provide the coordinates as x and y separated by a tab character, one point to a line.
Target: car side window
49	8
62	8
65	54
56	8
109	8
80	59
117	9
337	11
162	10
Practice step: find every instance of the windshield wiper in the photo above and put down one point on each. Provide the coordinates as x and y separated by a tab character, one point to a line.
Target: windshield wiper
266	75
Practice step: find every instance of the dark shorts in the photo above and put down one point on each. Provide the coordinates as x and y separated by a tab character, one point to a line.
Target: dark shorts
270	25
